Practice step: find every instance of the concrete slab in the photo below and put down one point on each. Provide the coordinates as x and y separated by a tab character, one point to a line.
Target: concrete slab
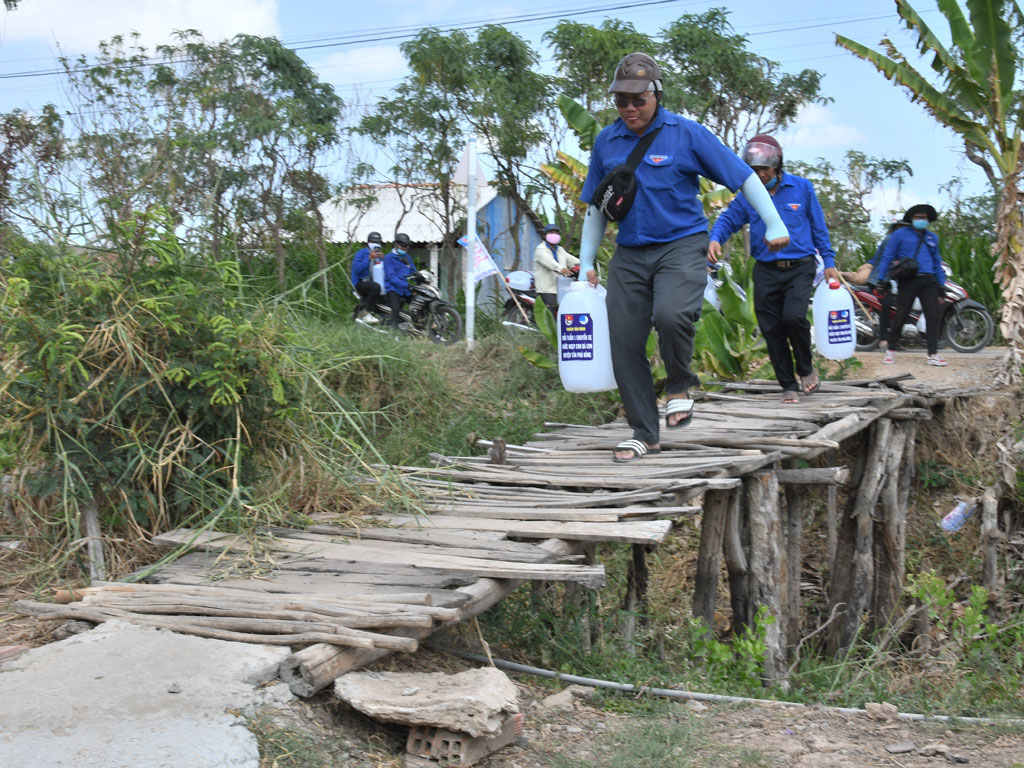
124	696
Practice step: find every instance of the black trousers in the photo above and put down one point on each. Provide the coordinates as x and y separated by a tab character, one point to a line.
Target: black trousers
395	301
781	299
926	287
370	292
659	285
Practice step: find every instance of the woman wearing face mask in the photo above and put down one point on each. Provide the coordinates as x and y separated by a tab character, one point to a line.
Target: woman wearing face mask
551	260
916	244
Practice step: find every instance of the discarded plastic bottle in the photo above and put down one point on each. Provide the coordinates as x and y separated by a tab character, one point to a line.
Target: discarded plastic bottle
957	516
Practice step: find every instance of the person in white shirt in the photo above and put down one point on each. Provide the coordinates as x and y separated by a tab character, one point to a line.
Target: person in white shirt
549	261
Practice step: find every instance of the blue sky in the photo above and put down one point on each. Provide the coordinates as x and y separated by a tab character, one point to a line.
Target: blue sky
354	46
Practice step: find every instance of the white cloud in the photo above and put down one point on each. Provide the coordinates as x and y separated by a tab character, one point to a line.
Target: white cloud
76	26
817	130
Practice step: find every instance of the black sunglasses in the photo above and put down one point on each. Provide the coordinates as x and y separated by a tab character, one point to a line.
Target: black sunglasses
622	101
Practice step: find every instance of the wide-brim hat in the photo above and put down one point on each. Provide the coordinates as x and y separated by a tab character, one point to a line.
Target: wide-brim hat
920	208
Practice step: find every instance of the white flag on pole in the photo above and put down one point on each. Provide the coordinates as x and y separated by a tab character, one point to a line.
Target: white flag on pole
483	264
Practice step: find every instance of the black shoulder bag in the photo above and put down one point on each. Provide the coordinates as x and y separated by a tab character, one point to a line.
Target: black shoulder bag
904	269
614	195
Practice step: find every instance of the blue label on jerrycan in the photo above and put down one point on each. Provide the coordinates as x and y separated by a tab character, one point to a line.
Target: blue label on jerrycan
576	339
840	327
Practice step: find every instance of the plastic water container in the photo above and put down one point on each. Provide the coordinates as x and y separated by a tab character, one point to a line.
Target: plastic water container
377	274
584	347
834	332
562	286
520	280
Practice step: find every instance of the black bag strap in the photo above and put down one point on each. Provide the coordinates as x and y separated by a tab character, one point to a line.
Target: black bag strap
920	242
641	146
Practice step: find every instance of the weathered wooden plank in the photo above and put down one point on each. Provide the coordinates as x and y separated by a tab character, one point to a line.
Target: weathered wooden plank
589	575
529	553
207	567
635	532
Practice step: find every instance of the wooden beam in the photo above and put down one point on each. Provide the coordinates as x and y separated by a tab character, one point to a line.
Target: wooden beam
709	559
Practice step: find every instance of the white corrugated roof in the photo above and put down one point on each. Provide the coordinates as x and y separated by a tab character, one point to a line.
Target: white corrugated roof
410	208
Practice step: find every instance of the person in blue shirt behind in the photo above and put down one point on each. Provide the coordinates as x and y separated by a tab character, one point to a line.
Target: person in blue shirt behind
657	274
909	245
398	265
784	279
362	274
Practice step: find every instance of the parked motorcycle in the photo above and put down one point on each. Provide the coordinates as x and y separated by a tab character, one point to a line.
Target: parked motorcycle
427	313
966	325
520	283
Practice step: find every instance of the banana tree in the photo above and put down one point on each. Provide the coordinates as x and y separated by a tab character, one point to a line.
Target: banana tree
977	99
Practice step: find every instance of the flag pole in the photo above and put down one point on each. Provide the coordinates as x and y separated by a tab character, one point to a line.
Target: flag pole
471	243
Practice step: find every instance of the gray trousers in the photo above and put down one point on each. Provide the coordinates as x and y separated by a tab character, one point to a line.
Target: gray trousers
659	285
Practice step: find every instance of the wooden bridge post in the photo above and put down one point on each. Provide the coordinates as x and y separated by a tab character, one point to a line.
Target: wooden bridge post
712	533
891	530
797	505
766	566
852	579
635	602
736	560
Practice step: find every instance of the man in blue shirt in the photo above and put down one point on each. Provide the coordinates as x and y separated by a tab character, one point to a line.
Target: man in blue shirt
783	280
362	274
915	244
398	265
658	272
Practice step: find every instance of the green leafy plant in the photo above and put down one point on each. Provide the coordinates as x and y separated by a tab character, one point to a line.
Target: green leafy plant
728	344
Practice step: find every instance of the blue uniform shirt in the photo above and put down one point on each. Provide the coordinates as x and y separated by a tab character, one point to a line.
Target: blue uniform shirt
666	207
903	244
397	268
361	265
801	213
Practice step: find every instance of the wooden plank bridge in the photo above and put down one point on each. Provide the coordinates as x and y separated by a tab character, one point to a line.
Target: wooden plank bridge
346	591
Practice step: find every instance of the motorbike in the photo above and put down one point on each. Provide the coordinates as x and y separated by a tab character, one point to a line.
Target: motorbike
427	313
966	325
521	284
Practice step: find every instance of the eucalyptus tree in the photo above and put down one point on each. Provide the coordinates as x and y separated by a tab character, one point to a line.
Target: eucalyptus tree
586	56
711	76
979	97
422	130
509	96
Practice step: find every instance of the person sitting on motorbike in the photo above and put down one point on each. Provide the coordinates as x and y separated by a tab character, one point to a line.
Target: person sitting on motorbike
918	273
551	260
362	274
398	266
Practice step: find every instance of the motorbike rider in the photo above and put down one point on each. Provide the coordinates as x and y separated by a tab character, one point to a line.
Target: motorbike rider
551	260
362	275
398	266
919	274
784	279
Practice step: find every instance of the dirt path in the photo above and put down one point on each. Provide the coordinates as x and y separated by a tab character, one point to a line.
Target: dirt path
975	369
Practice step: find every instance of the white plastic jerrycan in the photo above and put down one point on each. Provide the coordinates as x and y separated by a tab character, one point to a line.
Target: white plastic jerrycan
377	274
834	333
584	348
